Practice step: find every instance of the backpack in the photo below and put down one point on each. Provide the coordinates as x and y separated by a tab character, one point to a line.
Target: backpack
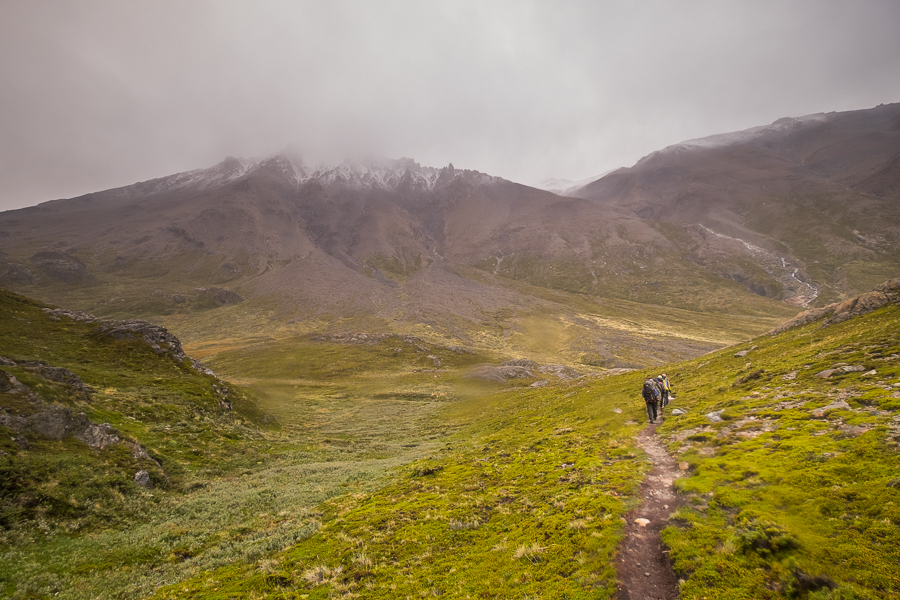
650	392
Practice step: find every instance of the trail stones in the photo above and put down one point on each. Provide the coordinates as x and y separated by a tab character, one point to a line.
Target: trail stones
683	466
642	522
142	478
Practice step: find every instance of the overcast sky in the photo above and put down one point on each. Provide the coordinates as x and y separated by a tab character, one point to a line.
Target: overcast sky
97	94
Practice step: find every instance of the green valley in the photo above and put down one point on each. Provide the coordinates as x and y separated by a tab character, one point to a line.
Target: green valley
376	466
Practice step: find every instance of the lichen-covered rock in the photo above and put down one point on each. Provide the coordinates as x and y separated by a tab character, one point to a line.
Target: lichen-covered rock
157	336
142	478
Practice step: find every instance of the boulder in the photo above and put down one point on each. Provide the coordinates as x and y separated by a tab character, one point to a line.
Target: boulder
715	416
142	478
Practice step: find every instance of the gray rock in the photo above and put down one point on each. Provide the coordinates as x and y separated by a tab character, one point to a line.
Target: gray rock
840	370
741	354
58	422
679	411
499	373
561	371
142	478
97	437
57	374
715	416
222	296
13	422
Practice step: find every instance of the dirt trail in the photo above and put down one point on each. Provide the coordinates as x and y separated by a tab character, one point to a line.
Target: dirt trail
643	567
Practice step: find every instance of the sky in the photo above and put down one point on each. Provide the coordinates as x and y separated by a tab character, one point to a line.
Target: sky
96	94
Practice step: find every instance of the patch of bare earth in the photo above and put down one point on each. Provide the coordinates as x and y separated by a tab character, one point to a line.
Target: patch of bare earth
643	566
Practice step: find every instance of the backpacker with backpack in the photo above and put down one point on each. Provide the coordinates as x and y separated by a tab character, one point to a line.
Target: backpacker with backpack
650	392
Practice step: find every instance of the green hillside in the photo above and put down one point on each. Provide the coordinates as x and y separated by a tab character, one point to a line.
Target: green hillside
391	474
793	494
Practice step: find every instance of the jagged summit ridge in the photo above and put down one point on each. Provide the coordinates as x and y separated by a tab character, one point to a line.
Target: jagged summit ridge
386	174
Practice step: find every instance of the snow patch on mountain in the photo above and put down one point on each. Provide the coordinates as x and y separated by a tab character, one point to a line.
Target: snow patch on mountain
387	174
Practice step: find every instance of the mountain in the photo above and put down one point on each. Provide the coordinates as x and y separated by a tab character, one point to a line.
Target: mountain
809	201
564	187
799	213
387	246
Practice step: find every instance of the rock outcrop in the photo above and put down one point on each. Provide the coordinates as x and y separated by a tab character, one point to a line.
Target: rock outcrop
157	336
884	294
55	421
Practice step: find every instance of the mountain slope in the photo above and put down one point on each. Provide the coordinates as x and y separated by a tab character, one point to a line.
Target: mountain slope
390	246
818	193
790	448
761	221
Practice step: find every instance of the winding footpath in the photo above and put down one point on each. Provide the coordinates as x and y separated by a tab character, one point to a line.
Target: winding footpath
643	566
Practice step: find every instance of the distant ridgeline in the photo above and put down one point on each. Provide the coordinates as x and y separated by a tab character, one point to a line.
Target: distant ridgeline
85	400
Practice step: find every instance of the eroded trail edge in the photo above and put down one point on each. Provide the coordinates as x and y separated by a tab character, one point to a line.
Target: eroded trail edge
643	566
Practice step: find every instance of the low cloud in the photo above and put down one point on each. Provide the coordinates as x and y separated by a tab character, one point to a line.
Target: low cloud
106	93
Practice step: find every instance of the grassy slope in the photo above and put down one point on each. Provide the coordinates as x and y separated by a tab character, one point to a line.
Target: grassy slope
526	499
59	497
783	502
781	491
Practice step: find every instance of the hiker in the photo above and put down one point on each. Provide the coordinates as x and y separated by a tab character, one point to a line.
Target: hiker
651	395
657	381
666	390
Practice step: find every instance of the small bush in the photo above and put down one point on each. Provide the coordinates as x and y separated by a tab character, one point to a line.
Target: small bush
764	538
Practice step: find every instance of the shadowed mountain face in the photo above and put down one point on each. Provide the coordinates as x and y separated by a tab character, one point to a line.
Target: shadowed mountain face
818	194
803	211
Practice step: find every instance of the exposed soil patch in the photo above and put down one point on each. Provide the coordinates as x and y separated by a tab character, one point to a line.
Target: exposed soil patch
643	566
